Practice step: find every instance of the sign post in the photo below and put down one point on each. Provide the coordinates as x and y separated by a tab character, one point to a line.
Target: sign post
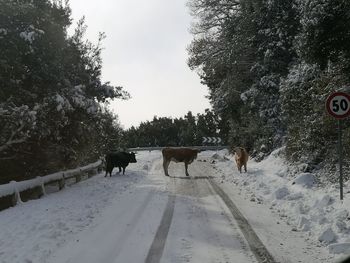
340	153
338	106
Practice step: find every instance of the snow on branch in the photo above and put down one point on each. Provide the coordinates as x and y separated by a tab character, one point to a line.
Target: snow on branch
18	121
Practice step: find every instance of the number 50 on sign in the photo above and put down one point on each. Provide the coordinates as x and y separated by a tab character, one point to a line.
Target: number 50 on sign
338	105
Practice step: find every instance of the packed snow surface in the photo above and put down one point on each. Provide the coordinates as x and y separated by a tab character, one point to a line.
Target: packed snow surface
116	219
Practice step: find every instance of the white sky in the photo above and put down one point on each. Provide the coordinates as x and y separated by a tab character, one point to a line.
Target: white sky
145	52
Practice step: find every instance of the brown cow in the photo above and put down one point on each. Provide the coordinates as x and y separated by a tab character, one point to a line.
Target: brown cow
177	155
241	157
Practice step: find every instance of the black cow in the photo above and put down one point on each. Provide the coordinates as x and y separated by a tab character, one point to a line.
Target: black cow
120	160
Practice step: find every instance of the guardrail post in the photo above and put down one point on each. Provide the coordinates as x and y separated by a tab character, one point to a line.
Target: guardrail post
17	196
14	199
41	189
61	183
78	177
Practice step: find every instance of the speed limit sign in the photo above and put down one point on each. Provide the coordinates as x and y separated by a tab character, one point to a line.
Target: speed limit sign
338	105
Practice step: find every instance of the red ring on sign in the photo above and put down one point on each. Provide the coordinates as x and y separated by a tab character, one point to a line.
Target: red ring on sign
328	105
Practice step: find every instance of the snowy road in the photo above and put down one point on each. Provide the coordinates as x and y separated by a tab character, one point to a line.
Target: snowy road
161	219
145	216
202	229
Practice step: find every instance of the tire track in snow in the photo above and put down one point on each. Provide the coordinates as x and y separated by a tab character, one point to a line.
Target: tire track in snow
255	244
157	247
206	188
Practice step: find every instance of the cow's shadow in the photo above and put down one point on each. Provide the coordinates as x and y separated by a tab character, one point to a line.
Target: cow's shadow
192	177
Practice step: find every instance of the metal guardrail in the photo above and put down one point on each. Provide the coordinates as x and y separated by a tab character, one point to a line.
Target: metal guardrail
202	148
15	192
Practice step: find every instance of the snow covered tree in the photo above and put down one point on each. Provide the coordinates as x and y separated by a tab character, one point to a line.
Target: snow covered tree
241	50
222	53
325	35
207	126
322	67
188	133
51	90
312	133
164	131
276	25
269	66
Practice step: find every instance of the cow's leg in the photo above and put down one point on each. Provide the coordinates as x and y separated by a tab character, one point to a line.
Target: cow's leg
166	166
123	170
109	170
107	166
120	169
186	167
238	165
245	167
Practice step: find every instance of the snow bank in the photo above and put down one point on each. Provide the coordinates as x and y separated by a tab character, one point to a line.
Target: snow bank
219	158
327	236
296	198
305	179
339	248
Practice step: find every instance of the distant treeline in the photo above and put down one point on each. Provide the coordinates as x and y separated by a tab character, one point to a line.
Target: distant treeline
165	131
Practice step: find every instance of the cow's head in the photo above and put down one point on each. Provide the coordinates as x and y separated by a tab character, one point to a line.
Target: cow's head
235	150
132	157
195	153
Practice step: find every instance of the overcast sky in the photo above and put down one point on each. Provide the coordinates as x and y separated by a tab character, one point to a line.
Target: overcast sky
145	52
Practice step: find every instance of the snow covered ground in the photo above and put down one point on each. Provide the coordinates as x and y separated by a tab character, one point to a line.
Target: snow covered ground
116	219
314	214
